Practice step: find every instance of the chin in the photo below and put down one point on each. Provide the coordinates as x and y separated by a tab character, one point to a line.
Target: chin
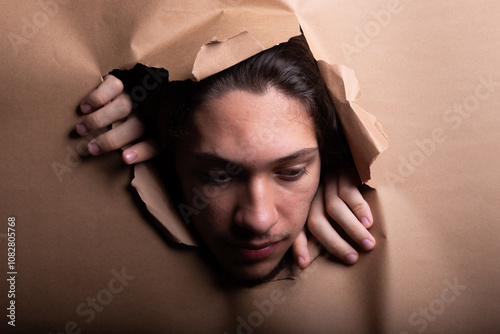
250	273
257	272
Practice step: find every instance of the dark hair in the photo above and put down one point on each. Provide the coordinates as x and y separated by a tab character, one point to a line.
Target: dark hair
289	67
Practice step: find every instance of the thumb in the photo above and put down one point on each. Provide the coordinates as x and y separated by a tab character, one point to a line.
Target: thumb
300	251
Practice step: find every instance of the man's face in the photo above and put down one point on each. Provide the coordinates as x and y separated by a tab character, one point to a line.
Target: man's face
249	169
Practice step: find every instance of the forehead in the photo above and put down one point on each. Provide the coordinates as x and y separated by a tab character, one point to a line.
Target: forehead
241	125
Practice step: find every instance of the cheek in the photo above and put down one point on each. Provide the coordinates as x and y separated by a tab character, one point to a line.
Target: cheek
215	210
295	206
295	209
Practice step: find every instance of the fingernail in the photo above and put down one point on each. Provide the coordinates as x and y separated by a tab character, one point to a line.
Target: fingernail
130	157
365	222
85	108
81	129
93	148
367	244
351	258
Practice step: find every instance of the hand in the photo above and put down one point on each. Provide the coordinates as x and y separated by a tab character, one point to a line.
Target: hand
106	105
340	199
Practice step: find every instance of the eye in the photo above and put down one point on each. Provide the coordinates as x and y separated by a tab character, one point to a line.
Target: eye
291	174
218	178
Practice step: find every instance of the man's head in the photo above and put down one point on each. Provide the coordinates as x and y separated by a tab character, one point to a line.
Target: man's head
250	143
255	209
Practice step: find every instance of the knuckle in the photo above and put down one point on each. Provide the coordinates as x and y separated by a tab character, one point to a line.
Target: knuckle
114	83
333	205
335	248
109	89
123	106
109	141
345	190
313	223
96	121
357	231
97	99
360	207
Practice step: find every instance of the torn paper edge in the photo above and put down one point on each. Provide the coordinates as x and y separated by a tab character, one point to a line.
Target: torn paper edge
364	133
152	192
217	56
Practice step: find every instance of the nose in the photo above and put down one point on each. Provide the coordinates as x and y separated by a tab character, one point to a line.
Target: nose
256	210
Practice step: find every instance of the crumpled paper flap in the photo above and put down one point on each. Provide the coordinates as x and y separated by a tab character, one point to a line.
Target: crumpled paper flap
364	134
149	188
217	55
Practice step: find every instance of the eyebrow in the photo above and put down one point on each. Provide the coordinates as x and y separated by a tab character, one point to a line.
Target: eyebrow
293	156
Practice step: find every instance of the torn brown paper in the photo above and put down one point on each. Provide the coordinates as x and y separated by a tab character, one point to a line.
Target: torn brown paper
89	261
219	55
364	133
160	205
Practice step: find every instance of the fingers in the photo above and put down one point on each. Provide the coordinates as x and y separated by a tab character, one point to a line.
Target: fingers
109	89
106	105
320	226
300	251
111	112
140	152
350	194
125	133
338	209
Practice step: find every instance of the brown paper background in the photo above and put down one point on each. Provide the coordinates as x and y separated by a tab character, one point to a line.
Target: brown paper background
436	225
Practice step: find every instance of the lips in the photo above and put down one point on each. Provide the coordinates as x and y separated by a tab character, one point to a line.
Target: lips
254	251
